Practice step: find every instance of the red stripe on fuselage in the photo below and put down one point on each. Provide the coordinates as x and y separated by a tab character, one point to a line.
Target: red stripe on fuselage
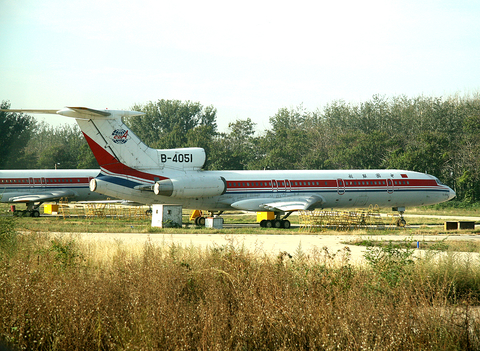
328	183
111	164
45	181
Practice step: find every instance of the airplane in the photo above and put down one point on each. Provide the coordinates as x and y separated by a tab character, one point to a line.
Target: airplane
34	187
131	170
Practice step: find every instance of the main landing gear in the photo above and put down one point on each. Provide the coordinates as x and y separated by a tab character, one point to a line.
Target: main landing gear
200	220
277	222
31	211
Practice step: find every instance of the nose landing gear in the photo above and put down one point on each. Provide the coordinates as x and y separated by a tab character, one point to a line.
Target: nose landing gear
401	222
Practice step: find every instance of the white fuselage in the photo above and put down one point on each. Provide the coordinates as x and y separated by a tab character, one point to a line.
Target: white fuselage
250	189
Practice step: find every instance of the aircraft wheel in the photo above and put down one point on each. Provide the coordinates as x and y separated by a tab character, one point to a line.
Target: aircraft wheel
200	221
286	224
401	222
35	213
277	223
268	224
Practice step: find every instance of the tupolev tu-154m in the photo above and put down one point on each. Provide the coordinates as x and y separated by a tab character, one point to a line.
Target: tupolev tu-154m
133	171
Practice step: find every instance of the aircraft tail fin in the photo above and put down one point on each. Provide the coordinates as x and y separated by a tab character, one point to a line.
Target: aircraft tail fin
115	145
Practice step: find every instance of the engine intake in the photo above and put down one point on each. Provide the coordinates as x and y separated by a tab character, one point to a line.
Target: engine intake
191	187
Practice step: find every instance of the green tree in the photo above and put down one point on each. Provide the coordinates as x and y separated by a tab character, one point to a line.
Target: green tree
356	150
168	123
85	158
467	165
429	153
291	141
16	130
62	146
235	150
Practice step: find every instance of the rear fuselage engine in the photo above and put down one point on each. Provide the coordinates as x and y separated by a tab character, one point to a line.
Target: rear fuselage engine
191	187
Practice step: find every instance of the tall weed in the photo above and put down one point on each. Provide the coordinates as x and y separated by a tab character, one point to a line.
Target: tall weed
8	236
173	297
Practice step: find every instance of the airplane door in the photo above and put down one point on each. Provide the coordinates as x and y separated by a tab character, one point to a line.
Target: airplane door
42	182
340	186
288	185
389	186
274	186
36	182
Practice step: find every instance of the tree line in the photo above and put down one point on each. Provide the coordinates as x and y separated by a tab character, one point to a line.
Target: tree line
436	135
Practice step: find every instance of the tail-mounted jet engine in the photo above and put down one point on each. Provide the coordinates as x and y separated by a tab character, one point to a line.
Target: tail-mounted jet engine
191	187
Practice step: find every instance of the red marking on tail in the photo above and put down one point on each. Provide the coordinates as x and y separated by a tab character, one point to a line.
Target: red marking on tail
111	164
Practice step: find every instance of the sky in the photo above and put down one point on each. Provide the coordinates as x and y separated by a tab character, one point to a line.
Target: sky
246	58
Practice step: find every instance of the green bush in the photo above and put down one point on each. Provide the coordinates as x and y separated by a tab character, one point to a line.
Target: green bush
392	262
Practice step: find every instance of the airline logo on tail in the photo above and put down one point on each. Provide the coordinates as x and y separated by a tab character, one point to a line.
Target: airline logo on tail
120	136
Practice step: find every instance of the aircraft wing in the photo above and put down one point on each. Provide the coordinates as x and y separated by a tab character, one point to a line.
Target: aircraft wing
38	197
284	204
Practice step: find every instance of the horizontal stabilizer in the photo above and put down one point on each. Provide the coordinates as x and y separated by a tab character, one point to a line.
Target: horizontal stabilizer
80	112
45	112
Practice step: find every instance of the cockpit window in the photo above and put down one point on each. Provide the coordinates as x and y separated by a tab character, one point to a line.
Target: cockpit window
438	181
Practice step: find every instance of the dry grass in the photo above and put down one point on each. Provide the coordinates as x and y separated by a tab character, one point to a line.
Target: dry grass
63	294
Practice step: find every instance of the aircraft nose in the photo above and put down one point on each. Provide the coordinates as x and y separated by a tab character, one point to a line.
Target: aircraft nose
451	194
